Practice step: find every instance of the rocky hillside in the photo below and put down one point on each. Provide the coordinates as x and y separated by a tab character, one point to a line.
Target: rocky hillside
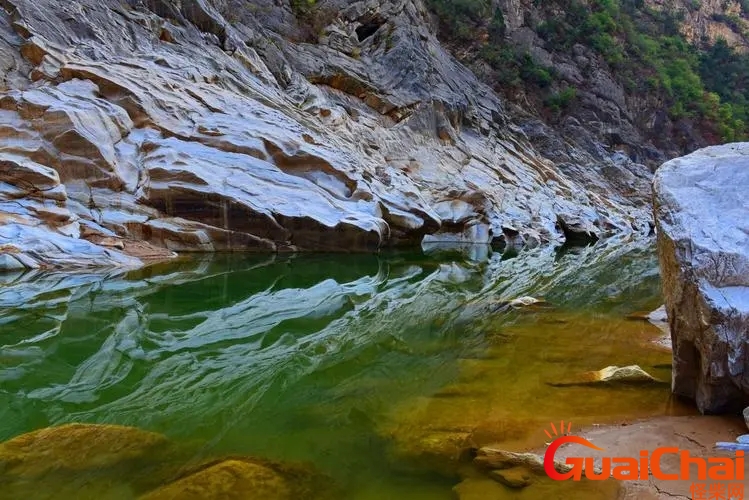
134	128
653	78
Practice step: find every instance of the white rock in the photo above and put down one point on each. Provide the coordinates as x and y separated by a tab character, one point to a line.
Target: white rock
9	263
202	142
632	374
525	301
702	217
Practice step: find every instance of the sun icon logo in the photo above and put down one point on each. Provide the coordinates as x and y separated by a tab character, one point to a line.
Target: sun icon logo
562	432
559	437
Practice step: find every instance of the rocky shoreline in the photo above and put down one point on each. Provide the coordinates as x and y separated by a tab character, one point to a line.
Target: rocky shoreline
700	209
696	434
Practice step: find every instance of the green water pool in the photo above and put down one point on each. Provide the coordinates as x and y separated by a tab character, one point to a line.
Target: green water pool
357	364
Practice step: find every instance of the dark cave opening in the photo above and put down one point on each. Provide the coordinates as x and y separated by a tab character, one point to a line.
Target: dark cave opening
368	29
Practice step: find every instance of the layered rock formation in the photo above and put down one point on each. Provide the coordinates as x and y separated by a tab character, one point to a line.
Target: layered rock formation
702	217
133	127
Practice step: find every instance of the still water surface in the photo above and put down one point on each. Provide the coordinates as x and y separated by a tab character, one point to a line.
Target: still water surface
370	367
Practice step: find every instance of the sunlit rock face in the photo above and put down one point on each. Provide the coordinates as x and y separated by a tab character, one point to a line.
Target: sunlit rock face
201	126
702	215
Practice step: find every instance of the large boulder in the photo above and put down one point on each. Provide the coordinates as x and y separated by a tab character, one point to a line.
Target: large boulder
702	218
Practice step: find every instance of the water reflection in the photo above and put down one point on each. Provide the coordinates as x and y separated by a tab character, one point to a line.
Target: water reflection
286	356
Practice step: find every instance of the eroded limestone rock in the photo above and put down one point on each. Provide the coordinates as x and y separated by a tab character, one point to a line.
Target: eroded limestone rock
203	126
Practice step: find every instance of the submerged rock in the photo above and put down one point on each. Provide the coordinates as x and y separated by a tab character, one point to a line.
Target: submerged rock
435	451
702	217
226	480
632	374
496	459
480	488
94	461
76	447
484	488
518	471
516	477
245	478
497	399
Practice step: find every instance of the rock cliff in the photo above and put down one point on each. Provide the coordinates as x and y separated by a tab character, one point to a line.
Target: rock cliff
133	129
654	79
701	212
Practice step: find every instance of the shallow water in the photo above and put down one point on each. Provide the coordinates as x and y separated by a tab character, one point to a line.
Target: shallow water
374	368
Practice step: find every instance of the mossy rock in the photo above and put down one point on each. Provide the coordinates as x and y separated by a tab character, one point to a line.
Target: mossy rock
83	461
230	479
246	478
75	447
68	487
426	450
480	488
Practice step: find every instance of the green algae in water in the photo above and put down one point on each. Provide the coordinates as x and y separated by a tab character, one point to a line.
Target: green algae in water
373	368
